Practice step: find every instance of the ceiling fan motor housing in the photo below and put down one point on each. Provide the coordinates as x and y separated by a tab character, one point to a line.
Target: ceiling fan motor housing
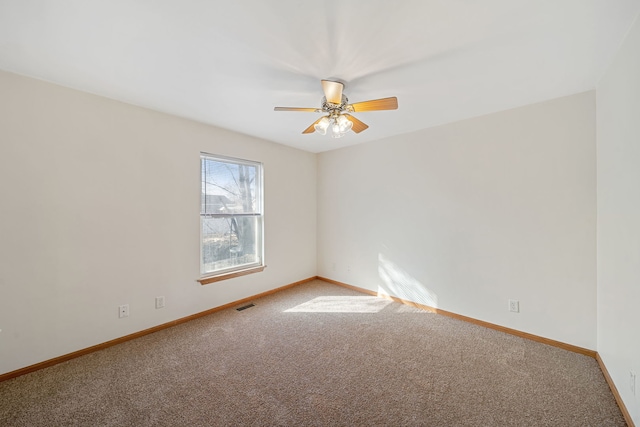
329	107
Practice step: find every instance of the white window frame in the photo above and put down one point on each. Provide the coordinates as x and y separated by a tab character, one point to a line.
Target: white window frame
234	271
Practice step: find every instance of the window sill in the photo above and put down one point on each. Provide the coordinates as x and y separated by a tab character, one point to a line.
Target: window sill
210	279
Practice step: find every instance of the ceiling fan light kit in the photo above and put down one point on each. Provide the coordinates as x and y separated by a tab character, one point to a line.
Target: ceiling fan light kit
338	124
336	105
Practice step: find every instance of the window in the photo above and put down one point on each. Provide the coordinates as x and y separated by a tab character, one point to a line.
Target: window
231	217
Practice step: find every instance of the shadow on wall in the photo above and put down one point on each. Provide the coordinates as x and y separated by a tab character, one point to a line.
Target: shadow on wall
398	283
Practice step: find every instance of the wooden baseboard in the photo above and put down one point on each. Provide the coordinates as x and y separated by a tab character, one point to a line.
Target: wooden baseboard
614	390
532	337
97	347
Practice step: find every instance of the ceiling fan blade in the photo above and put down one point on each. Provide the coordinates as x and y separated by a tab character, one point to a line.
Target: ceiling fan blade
310	110
332	91
358	126
376	104
311	128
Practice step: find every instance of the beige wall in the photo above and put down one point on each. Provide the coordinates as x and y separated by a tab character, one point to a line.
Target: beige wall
618	102
99	207
469	215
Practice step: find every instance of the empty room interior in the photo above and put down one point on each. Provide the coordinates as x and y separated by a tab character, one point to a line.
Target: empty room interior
165	163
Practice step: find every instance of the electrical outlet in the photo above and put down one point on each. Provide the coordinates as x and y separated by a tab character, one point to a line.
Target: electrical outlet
348	269
334	266
632	382
514	306
123	311
159	302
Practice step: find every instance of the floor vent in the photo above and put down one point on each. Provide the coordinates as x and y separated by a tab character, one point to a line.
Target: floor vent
244	307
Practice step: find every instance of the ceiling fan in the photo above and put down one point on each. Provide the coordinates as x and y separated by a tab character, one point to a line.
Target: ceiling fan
336	105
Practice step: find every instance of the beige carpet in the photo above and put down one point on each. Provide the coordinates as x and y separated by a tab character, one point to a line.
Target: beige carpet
317	355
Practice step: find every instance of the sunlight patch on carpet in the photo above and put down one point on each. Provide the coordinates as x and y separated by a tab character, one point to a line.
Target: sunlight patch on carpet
341	304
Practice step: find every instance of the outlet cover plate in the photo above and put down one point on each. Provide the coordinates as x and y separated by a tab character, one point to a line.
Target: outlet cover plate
514	306
123	311
159	302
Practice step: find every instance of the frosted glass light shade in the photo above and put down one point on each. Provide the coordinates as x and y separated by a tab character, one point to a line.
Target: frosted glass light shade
335	130
344	123
322	126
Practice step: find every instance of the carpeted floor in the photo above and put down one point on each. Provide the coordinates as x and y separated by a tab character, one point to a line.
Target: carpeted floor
317	355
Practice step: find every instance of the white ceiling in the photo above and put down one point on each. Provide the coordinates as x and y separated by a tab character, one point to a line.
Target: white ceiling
228	63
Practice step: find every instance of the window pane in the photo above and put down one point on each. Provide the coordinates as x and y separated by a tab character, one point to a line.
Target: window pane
230	242
230	214
229	188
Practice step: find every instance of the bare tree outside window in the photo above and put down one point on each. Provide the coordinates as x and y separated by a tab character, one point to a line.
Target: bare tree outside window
230	214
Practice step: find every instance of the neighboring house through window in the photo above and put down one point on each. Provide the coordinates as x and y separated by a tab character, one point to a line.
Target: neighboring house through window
231	217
